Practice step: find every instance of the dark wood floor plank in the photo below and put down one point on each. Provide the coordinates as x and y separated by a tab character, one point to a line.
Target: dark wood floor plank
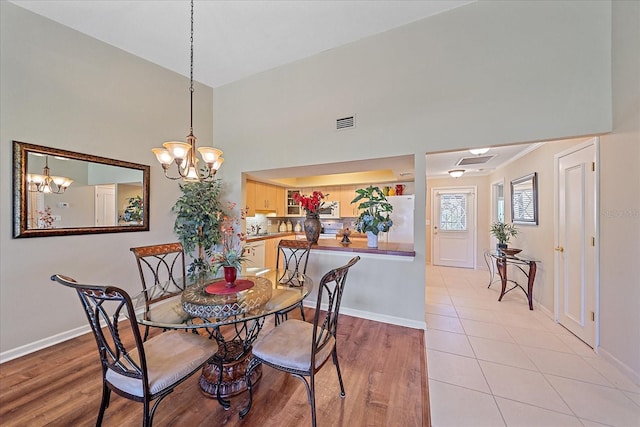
383	368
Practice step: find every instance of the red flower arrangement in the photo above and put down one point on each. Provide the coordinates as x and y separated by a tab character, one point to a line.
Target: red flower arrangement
311	204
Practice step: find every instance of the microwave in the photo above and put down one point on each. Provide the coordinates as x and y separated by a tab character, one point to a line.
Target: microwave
329	210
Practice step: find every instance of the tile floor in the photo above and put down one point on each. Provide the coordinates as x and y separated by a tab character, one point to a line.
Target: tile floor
496	363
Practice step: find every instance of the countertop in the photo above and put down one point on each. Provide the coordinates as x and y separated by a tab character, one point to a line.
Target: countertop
358	244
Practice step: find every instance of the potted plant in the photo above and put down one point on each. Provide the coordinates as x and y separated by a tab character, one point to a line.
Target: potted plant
232	252
198	221
503	232
374	216
133	211
311	205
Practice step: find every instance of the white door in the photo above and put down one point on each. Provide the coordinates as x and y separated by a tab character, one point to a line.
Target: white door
454	227
576	242
105	207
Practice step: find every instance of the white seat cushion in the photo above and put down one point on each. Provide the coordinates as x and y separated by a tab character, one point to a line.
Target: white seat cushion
169	312
170	357
289	346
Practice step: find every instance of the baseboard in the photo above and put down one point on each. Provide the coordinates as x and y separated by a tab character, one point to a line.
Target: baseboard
626	370
376	317
64	336
14	353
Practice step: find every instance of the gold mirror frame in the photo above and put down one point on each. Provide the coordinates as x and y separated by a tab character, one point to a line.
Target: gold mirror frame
21	150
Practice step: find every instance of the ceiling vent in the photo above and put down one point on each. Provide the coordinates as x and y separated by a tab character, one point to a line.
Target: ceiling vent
346	123
475	160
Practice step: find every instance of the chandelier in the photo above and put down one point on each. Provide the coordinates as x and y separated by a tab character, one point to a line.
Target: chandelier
46	183
184	153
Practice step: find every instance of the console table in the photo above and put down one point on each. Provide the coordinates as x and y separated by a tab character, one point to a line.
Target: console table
526	264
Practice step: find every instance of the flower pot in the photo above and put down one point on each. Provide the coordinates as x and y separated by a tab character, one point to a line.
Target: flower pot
372	240
230	274
500	247
312	227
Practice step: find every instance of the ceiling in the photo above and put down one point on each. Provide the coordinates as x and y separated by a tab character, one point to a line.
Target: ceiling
235	39
232	39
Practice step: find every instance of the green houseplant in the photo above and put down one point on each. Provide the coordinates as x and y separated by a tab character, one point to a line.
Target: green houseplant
503	232
374	215
198	222
134	209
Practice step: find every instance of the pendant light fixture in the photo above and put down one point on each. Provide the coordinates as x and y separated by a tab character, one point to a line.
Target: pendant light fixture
46	183
184	153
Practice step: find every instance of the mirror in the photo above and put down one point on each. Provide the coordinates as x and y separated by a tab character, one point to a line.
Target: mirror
524	199
86	194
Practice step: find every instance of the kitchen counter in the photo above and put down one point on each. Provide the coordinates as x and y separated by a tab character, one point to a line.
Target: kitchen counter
258	237
360	246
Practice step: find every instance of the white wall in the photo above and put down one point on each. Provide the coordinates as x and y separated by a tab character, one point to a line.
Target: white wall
62	89
479	75
619	213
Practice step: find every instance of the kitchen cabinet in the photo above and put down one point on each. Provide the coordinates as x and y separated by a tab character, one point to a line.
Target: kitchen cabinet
347	194
256	254
292	208
271	252
262	197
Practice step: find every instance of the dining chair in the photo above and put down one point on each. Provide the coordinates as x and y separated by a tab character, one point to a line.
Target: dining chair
162	273
143	371
302	348
292	258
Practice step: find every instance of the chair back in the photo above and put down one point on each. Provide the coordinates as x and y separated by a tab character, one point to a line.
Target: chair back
325	322
293	256
104	306
162	270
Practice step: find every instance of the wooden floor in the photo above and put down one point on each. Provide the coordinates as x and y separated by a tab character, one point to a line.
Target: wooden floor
383	367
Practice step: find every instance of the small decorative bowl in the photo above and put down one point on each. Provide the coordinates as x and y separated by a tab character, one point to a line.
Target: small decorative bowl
511	251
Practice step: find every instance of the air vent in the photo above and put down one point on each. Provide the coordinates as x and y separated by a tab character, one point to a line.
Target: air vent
346	123
475	160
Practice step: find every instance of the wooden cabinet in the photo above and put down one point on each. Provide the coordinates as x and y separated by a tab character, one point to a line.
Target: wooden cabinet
347	194
250	195
280	201
292	208
262	197
271	252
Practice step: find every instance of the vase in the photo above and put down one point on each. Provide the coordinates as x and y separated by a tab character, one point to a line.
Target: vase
372	239
230	274
312	227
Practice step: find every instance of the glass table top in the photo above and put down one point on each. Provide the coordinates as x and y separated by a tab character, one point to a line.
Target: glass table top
272	291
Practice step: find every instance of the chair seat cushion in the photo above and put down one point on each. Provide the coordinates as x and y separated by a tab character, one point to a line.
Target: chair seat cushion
169	312
289	345
171	356
282	299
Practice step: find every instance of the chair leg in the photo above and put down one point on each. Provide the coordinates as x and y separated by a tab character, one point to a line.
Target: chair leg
146	417
302	311
334	355
104	404
312	399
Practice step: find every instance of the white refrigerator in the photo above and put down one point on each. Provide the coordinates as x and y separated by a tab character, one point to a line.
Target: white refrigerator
402	216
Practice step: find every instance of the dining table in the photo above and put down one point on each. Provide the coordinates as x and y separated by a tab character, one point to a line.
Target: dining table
232	316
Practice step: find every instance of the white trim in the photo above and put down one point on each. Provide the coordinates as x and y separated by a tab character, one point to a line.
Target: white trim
626	370
376	317
23	350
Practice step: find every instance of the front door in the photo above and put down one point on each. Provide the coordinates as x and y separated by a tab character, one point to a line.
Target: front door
454	226
576	242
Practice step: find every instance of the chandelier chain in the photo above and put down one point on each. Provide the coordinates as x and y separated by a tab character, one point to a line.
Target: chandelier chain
191	69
